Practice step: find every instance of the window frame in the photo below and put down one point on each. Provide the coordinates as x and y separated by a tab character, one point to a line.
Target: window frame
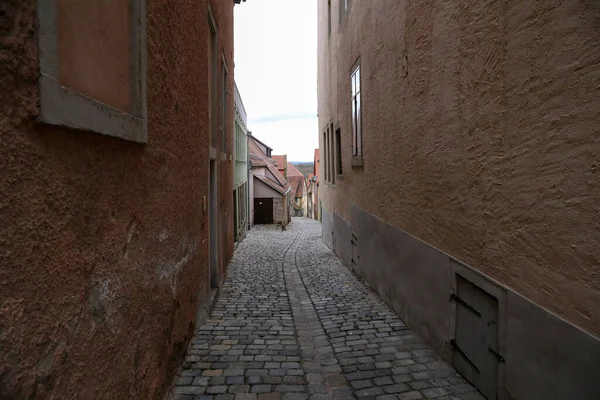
64	106
331	154
329	22
356	114
213	75
338	152
224	103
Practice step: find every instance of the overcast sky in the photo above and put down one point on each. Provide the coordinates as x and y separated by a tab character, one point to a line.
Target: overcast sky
276	73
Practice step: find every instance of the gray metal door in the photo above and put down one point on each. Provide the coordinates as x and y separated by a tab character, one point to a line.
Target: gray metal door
476	345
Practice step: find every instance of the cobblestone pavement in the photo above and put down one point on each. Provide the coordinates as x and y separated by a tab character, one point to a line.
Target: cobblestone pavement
293	323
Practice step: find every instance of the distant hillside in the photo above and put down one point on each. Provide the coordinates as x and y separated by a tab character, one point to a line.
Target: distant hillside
304	167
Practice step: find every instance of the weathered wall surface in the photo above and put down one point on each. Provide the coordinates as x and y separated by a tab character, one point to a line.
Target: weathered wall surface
87	33
415	280
481	135
279	215
103	248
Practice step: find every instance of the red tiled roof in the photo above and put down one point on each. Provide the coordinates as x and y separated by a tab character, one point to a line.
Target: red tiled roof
280	161
258	161
292	170
296	180
254	148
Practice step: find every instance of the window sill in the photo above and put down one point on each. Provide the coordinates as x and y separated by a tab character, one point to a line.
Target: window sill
357	161
62	106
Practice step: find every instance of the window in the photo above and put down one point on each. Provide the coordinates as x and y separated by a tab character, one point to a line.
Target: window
338	152
329	17
330	149
97	84
326	154
356	113
224	108
331	155
212	73
344	6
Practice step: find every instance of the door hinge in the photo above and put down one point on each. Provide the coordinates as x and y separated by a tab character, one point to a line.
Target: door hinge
498	356
462	353
454	296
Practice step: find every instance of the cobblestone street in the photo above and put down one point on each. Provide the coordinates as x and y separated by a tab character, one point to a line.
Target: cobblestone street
292	322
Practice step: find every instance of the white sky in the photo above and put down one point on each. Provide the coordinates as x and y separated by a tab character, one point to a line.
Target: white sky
276	73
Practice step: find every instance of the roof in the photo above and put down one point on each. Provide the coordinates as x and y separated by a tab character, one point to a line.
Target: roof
254	138
292	170
277	174
280	162
296	180
259	159
272	184
253	147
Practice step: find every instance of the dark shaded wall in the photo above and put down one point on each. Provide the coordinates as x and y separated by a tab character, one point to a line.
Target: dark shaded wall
103	242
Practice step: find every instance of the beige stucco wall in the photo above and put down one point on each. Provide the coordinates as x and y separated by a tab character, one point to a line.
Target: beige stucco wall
481	135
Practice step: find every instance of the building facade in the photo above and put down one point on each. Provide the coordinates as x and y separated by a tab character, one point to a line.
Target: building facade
459	146
240	170
270	193
299	191
116	191
314	182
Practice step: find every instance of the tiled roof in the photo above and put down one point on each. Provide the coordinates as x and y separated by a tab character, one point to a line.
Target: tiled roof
296	180
253	147
292	170
258	141
272	184
259	159
277	174
280	161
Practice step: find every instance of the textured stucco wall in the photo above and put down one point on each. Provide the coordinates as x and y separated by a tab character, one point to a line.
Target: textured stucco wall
481	135
103	241
87	32
279	210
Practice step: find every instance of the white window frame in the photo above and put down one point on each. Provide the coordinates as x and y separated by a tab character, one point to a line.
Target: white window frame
356	110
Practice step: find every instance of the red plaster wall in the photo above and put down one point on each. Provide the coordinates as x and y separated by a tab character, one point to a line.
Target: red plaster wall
484	141
93	48
103	242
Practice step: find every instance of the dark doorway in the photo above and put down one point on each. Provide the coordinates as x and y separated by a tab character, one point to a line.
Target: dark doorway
213	243
476	354
263	210
235	216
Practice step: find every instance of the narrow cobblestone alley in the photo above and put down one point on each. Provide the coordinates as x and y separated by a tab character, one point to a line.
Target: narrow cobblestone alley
292	323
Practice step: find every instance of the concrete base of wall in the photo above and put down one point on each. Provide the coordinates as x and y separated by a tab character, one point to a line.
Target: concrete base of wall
545	356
